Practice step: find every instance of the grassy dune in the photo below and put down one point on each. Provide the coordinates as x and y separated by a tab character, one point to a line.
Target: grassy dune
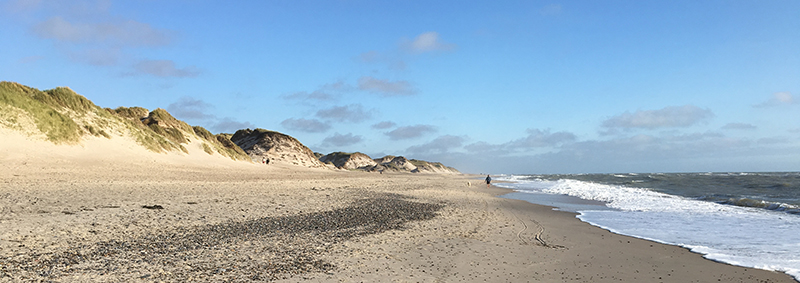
65	117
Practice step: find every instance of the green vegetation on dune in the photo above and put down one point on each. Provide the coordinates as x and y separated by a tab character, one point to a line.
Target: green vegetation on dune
164	119
136	113
207	149
64	116
222	143
203	133
58	128
65	97
230	148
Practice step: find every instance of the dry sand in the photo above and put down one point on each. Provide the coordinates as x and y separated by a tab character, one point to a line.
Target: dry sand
77	214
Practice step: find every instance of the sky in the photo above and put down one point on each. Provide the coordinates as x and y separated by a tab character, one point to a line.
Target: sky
509	87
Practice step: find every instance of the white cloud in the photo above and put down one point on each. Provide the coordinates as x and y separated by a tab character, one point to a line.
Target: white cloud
663	152
316	95
128	33
384	125
385	87
375	57
306	125
85	31
778	99
441	144
165	68
538	138
198	112
428	42
483	147
739	126
342	140
326	92
353	113
191	108
230	125
668	117
410	132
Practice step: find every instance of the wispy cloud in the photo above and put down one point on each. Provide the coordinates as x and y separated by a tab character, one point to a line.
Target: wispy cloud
441	144
778	99
428	42
306	125
385	87
482	147
191	108
342	140
165	69
230	125
375	57
384	125
541	138
739	126
353	113
324	93
410	132
127	33
317	95
87	32
199	112
534	140
668	117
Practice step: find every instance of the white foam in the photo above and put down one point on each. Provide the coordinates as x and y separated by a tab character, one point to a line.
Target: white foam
743	236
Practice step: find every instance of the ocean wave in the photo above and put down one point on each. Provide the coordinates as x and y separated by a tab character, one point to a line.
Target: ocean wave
719	225
755	203
627	198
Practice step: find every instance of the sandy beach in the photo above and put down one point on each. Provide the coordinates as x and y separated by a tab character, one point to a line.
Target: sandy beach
108	211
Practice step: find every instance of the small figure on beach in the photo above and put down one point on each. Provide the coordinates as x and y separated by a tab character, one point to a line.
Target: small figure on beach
488	180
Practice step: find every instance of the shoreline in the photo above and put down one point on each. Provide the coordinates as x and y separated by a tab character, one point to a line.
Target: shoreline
100	220
687	253
596	209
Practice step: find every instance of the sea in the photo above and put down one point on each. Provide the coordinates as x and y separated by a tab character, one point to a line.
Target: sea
744	219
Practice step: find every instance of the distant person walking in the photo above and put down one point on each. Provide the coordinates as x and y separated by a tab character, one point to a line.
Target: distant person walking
488	181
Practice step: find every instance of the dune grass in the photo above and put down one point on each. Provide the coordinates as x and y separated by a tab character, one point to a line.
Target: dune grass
58	128
136	113
64	116
221	143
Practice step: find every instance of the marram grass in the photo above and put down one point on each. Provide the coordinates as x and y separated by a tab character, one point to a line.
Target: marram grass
64	116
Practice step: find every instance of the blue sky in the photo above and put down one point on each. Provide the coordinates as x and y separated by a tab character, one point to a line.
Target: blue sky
490	86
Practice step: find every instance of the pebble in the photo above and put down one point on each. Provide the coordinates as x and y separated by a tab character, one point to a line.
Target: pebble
263	249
